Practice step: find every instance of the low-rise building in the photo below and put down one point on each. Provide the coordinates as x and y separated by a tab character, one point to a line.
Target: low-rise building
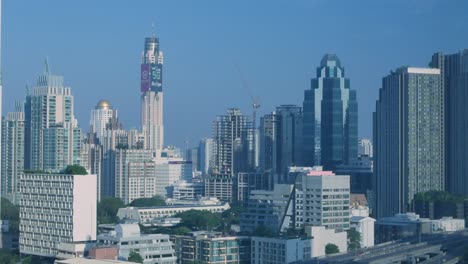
401	226
212	247
321	237
447	224
91	261
154	248
183	190
152	215
365	226
280	250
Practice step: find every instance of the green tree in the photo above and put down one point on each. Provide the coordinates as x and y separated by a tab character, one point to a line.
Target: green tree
31	259
107	210
7	257
181	230
10	212
156	200
135	257
199	220
331	249
75	169
354	239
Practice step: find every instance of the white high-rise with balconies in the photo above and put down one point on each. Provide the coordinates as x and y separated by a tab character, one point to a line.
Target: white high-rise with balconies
100	117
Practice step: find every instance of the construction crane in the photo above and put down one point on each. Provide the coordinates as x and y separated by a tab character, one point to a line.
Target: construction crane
255	102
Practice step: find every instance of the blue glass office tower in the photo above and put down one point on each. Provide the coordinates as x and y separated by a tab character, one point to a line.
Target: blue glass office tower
330	117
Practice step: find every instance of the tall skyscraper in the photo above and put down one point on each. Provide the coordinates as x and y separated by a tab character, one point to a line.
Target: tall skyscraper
51	118
408	138
233	139
281	142
100	117
330	117
152	95
12	152
205	157
454	72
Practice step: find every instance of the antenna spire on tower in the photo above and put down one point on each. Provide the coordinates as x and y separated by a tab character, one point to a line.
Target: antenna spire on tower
153	31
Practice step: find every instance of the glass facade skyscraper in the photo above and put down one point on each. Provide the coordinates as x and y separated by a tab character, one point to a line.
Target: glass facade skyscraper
454	72
408	138
330	117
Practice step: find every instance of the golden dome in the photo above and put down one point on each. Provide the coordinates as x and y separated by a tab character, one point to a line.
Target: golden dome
103	104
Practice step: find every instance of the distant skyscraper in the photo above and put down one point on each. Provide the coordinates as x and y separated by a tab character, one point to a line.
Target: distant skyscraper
330	117
100	117
51	118
12	152
281	142
408	138
233	139
454	71
365	147
152	95
205	150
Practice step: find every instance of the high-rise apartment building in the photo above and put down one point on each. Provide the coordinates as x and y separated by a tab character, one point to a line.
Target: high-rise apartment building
54	209
409	154
51	120
330	117
100	117
152	95
134	174
454	80
233	143
12	152
170	170
91	159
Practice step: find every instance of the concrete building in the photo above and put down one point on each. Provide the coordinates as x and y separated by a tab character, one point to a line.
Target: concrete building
183	190
100	117
219	186
365	148
62	147
12	151
153	248
322	236
270	209
54	209
134	174
148	215
322	199
280	250
410	159
447	224
169	170
330	117
246	182
365	226
91	159
90	261
454	82
212	247
152	95
233	143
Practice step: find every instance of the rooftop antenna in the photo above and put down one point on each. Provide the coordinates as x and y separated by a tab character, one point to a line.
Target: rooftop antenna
46	62
153	29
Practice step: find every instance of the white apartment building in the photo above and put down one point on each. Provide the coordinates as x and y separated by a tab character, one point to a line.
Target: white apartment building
153	248
322	199
54	209
280	250
169	170
148	215
100	116
183	190
365	226
447	224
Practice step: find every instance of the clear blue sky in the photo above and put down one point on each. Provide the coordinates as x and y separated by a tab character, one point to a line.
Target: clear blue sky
96	45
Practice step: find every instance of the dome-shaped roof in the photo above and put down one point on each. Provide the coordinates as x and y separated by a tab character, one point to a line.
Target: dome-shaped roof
103	104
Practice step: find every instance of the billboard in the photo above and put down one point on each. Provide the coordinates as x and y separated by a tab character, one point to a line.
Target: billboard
145	78
156	77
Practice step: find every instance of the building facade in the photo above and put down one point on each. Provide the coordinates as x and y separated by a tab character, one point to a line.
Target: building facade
170	170
152	99
365	148
54	209
330	117
409	155
12	153
100	117
454	81
280	250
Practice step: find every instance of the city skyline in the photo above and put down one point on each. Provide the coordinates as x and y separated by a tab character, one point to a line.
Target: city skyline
197	65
